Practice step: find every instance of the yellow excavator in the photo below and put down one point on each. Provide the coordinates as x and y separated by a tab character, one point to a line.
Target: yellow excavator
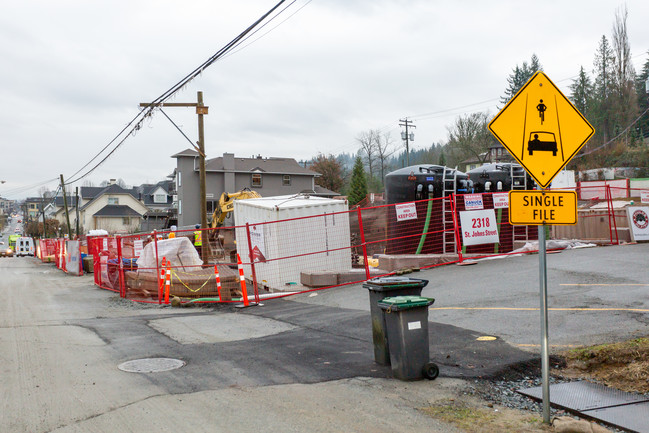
226	204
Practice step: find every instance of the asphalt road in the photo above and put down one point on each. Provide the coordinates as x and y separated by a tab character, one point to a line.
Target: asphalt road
304	364
595	295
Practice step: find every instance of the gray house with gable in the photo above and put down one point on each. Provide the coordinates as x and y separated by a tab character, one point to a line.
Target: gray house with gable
267	176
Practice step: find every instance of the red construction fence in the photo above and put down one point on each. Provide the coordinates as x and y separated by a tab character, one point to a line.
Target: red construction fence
264	260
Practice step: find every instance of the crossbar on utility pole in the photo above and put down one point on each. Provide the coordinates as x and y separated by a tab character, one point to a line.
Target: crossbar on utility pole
201	110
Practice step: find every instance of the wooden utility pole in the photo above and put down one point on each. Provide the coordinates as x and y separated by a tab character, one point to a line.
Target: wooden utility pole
407	123
65	204
201	110
43	212
76	207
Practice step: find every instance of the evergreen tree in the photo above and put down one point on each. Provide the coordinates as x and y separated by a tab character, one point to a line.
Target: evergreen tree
602	109
581	92
642	92
442	159
358	185
520	76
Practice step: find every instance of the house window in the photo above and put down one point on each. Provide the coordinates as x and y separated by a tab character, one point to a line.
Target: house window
256	180
160	198
126	221
180	207
113	200
179	178
210	206
286	180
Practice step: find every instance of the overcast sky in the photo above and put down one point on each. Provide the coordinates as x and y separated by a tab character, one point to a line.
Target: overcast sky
73	73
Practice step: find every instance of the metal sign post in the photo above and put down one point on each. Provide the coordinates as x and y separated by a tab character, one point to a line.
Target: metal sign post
545	358
542	130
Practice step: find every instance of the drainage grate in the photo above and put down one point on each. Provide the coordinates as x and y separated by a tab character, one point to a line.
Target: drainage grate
151	365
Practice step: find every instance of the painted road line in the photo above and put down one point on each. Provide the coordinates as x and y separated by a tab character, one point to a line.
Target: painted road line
642	310
616	285
552	345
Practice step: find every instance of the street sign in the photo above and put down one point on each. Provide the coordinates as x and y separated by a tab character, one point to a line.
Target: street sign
541	129
542	207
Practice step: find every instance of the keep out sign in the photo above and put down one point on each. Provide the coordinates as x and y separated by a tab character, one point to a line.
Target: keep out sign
479	227
406	211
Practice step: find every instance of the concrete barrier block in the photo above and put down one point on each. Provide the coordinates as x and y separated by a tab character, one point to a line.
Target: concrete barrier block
318	278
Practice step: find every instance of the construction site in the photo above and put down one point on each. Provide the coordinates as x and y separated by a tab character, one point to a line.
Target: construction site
287	245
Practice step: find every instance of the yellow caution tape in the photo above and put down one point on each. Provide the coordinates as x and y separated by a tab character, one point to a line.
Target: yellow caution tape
174	273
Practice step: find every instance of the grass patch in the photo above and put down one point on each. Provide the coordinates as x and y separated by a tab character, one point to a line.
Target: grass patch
623	365
473	418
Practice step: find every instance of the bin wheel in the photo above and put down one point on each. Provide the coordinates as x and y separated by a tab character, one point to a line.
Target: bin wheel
430	370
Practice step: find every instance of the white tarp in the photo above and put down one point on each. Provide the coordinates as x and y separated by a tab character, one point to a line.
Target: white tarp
73	258
179	251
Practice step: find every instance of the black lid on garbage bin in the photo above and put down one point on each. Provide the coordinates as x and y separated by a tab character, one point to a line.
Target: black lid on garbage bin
398	303
388	283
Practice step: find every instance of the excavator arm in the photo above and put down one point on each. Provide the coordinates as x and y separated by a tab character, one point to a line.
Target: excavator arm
226	204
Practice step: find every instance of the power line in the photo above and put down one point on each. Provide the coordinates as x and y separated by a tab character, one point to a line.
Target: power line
270	30
614	138
18	190
136	123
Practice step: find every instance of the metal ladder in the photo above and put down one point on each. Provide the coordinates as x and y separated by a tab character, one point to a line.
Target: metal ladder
449	188
518	175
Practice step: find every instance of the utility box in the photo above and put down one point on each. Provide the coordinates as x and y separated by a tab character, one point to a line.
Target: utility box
291	234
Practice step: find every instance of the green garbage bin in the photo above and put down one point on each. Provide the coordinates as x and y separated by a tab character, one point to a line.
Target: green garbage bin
406	320
381	288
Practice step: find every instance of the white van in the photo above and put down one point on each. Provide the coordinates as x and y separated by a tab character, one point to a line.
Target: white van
24	247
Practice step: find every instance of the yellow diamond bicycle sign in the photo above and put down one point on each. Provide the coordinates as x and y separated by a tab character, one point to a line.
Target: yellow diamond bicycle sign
541	129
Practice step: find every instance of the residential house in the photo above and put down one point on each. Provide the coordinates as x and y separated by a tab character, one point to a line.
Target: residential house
111	208
6	205
158	199
496	153
32	208
267	176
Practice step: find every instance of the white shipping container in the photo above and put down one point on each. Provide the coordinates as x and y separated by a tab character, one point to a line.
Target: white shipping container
295	241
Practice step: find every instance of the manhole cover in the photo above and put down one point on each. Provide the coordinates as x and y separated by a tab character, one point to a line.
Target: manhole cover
151	365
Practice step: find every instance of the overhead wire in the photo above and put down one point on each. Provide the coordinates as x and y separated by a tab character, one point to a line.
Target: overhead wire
614	138
21	189
270	30
136	123
233	47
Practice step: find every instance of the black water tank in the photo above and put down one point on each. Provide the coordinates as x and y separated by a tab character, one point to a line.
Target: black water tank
416	181
498	177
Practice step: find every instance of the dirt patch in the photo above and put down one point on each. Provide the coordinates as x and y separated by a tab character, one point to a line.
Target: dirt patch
472	416
624	365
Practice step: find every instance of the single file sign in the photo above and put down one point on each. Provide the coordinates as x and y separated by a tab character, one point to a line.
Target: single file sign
542	207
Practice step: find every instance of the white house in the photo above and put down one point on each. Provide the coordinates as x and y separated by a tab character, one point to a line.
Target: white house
111	208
